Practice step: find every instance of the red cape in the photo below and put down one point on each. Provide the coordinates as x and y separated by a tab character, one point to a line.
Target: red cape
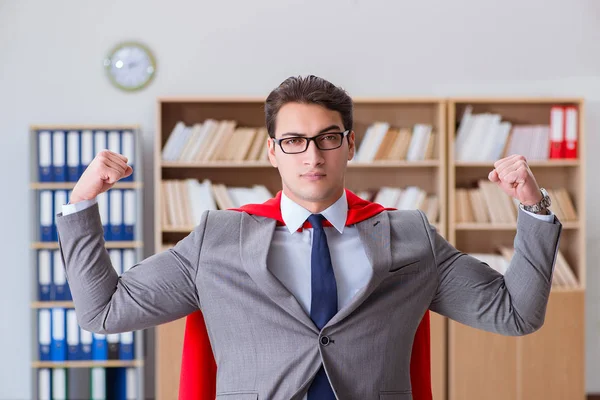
198	378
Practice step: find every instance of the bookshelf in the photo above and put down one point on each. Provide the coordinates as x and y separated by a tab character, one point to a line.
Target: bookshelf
428	174
549	363
59	154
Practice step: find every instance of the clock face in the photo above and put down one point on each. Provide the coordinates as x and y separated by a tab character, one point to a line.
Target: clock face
130	66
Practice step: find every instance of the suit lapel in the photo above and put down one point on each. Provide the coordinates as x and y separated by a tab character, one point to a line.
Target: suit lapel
255	240
375	236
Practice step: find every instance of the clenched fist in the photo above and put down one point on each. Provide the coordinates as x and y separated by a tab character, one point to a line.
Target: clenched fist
515	178
102	173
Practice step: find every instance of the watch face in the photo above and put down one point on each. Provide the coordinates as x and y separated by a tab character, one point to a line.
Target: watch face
130	66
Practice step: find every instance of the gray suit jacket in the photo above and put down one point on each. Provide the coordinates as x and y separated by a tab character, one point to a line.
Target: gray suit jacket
265	345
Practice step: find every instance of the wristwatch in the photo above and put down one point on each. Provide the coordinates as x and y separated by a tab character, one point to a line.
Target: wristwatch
540	206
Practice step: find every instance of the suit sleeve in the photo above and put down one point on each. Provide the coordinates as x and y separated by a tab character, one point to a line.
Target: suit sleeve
471	292
157	290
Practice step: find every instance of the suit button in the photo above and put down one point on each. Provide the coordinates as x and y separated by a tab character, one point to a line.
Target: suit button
325	341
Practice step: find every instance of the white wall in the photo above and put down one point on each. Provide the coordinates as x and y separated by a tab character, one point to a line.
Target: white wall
51	72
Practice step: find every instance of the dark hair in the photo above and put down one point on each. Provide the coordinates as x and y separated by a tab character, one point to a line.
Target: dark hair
308	90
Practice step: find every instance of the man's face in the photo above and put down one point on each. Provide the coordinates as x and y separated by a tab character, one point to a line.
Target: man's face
315	178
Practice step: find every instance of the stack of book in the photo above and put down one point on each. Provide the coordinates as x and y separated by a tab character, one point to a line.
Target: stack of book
489	204
485	137
185	200
408	198
563	276
382	142
215	141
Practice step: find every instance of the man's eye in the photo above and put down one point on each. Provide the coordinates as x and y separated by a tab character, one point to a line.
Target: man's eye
292	141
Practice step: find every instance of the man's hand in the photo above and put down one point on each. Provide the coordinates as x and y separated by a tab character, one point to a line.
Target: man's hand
515	178
102	173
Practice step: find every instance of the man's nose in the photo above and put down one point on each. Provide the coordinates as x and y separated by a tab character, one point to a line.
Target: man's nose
312	154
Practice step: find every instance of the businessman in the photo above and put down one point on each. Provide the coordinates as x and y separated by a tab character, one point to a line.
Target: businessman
311	306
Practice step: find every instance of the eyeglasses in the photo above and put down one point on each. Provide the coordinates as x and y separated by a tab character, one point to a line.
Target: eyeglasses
324	141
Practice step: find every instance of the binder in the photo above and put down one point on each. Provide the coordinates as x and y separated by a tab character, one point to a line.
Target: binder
131	383
79	383
128	259
73	347
86	341
128	150
99	347
46	216
129	215
59	384
98	391
58	345
60	198
44	384
100	142
44	333
115	212
87	150
59	281
45	275
114	142
557	135
117	383
45	173
571	132
102	200
113	346
59	148
73	156
126	349
116	260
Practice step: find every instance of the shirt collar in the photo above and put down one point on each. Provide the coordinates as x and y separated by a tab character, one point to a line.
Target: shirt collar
294	214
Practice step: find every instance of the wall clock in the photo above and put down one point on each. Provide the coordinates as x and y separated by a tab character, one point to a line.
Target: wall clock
130	66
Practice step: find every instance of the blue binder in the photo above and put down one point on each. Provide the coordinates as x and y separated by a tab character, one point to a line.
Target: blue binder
128	150
59	149
116	379
73	155
44	334
58	345
47	228
115	212
45	292
61	287
44	154
127	345
60	198
99	347
86	341
73	346
87	150
129	214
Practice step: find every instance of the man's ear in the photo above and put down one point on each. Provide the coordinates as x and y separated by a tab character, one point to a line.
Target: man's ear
271	145
351	145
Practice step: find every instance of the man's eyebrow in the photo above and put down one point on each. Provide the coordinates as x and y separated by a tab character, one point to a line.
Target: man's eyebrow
329	128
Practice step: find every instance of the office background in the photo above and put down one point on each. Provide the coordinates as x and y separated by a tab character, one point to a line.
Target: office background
51	72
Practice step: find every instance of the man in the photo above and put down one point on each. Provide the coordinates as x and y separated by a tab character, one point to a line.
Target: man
318	311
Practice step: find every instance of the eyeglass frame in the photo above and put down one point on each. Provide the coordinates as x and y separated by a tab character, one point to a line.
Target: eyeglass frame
313	138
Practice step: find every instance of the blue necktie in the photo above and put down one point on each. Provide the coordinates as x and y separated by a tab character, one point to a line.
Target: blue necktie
323	305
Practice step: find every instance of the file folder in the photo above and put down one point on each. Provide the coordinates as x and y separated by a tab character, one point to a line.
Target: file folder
114	142
79	383
98	383
58	345
45	276
44	333
102	200
100	142
73	156
126	346
44	384
60	198
59	148
113	346
59	384
45	173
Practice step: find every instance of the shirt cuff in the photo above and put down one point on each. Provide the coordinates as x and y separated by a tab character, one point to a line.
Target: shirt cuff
547	218
79	206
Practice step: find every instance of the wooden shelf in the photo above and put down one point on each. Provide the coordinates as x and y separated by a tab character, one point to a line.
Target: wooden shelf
52	304
537	164
51	127
71	185
258	164
503	227
108	245
87	364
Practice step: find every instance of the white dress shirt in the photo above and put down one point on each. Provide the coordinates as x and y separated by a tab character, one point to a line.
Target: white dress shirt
290	252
